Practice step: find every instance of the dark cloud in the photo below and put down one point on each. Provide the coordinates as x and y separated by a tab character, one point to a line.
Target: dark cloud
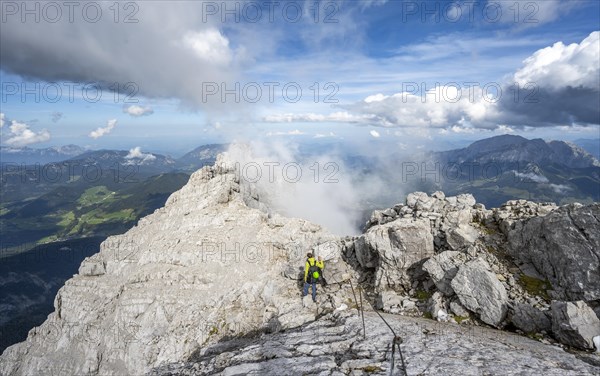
541	107
168	53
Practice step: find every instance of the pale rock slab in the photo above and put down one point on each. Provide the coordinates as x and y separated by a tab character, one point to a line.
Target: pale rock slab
480	292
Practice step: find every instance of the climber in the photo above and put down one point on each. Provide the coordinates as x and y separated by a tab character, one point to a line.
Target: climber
313	273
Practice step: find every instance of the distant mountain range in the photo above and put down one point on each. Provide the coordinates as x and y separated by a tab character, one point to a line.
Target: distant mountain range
32	156
121	162
516	149
73	155
505	167
578	153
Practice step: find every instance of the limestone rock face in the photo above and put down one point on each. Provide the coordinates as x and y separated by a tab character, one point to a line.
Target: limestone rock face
399	238
389	301
462	236
530	252
575	324
207	265
530	319
443	268
394	247
334	345
480	291
92	268
565	247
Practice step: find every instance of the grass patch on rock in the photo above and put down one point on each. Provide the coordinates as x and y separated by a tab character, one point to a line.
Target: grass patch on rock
483	227
371	369
422	295
536	286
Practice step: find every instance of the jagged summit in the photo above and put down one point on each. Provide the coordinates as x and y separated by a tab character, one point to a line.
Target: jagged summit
154	293
517	149
216	266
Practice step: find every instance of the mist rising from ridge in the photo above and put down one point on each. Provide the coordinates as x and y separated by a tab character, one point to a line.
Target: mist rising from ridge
323	186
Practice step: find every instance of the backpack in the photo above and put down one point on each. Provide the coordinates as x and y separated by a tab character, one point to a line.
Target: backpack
314	272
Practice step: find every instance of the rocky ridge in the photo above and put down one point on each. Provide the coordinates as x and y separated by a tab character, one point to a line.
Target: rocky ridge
503	267
216	267
167	286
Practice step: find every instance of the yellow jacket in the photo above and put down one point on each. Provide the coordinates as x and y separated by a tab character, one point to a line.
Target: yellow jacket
309	262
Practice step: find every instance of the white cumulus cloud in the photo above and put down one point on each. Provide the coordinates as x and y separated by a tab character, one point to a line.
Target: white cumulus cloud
560	188
375	134
21	135
371	3
295	132
1	119
101	131
136	153
209	45
531	176
559	66
440	107
340	116
324	135
136	111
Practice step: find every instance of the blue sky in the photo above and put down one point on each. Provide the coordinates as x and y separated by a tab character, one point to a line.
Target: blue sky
387	70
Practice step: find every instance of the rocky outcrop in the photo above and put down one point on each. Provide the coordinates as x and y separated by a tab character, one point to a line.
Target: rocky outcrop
575	324
401	238
564	246
530	319
519	210
442	269
500	266
205	266
480	292
393	248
